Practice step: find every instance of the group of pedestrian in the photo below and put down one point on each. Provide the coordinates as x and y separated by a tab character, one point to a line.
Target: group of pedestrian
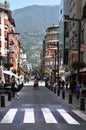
14	84
74	86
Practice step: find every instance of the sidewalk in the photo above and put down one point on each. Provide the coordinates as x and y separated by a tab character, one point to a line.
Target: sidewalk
64	97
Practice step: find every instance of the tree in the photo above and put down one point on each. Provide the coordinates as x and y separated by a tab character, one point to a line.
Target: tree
77	64
7	65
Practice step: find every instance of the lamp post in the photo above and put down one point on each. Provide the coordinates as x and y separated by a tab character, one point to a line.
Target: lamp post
66	17
19	60
58	58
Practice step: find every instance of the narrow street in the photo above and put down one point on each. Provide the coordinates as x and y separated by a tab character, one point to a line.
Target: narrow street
40	110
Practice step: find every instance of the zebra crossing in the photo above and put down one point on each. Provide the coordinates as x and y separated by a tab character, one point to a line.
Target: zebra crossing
42	115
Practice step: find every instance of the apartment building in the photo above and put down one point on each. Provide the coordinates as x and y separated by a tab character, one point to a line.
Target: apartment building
9	41
50	52
77	41
73	36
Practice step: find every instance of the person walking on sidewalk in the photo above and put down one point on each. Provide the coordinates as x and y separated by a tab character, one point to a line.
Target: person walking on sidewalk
77	90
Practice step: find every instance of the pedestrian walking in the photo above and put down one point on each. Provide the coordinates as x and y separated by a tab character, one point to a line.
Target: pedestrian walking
35	84
1	85
77	90
66	84
14	87
63	84
72	86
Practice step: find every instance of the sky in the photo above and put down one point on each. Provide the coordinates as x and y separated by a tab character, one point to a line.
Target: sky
16	4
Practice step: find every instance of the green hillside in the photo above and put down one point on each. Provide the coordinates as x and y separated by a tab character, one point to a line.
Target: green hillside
31	22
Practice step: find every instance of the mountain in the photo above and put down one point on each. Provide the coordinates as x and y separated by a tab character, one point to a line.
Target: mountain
32	22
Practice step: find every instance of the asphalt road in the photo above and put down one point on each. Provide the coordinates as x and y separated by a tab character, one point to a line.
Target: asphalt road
40	110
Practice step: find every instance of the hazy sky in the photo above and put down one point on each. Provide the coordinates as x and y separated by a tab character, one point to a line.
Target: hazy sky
16	4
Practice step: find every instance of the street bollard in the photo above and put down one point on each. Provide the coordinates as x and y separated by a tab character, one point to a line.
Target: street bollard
2	100
9	96
63	94
58	92
55	90
70	98
52	88
82	103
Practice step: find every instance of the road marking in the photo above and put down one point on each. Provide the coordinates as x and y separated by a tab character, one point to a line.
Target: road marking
80	114
8	118
67	117
29	116
43	115
49	118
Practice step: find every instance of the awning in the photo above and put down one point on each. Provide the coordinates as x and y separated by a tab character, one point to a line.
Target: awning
67	74
8	72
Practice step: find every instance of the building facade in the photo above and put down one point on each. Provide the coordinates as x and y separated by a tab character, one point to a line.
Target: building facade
9	40
50	52
74	34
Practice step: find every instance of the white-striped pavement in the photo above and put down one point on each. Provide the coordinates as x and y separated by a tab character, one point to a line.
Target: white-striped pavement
80	114
8	118
47	116
67	117
29	116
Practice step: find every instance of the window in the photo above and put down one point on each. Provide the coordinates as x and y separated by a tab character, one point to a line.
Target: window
66	42
61	12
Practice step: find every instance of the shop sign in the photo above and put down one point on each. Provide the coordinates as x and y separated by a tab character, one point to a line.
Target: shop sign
74	53
83	47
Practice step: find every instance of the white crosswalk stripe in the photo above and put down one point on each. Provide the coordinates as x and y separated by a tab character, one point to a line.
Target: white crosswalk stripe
29	115
44	114
8	118
67	117
49	118
80	114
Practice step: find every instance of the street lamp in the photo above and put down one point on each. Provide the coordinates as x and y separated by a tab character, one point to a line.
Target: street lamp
19	60
66	17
